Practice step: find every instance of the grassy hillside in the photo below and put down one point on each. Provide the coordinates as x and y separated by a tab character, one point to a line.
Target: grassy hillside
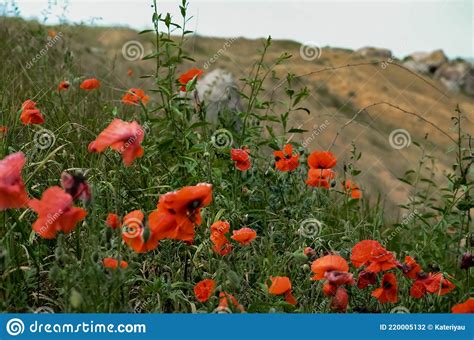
288	211
335	95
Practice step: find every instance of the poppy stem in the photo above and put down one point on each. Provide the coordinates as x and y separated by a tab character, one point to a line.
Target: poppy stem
185	274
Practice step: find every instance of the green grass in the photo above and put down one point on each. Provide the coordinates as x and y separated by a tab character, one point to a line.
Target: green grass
66	275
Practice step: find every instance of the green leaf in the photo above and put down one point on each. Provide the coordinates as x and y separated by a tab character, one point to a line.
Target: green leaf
294	130
146	31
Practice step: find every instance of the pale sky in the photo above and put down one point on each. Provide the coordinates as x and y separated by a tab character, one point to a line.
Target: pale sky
402	26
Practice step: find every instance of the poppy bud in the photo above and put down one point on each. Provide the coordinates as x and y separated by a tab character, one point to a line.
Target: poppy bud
309	252
300	257
108	234
306	268
75	298
146	234
467	261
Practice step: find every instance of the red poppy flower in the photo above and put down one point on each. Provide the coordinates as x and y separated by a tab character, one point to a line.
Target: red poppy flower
219	230
418	289
64	85
340	300
389	290
204	289
124	137
136	235
244	235
30	114
3	131
113	221
241	158
326	264
322	160
55	213
28	105
437	284
111	263
431	283
467	307
281	285
76	186
90	84
320	178
410	268
373	255
129	72
179	211
134	96
12	188
185	78
225	298
165	225
353	189
285	160
187	201
366	279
